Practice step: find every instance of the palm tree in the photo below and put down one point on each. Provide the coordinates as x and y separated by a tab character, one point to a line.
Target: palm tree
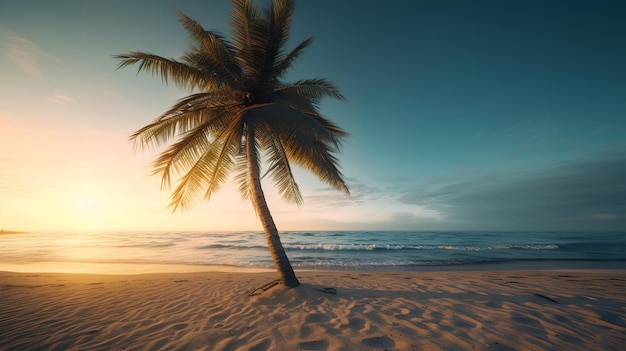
240	113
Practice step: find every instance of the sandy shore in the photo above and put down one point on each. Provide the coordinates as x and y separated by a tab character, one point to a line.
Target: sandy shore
488	310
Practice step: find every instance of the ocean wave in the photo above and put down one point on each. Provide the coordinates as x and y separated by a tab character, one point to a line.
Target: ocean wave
231	247
377	247
363	250
411	265
383	247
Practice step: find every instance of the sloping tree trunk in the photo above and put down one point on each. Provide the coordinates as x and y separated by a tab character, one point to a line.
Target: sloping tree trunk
281	261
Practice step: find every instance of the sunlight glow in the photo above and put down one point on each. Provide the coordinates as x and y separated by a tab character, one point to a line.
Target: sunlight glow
90	204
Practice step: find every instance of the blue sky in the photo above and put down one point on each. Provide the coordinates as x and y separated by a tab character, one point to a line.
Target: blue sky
481	115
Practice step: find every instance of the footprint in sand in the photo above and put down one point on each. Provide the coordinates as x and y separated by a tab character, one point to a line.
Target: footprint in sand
379	342
356	323
263	345
460	323
179	326
313	345
315	318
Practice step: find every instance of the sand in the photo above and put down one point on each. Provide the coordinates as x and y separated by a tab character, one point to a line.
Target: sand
488	310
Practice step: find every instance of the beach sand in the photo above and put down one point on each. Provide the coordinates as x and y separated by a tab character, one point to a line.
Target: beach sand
483	310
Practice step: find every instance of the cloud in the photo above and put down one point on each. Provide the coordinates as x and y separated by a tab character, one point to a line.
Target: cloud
61	99
360	193
583	195
22	52
368	207
606	217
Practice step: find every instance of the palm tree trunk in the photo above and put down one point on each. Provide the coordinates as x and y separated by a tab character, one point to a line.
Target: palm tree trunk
281	261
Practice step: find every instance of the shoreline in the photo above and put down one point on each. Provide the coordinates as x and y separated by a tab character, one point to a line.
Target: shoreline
579	309
2	232
122	268
113	268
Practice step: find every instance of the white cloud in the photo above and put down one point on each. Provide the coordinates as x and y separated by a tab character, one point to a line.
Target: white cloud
61	99
18	91
22	52
367	207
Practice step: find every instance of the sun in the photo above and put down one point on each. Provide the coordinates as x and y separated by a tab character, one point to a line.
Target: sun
91	204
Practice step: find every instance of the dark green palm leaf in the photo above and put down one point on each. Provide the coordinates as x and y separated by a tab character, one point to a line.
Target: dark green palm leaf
276	23
315	156
205	172
280	171
311	90
182	155
185	115
284	63
214	53
292	127
226	158
183	75
242	177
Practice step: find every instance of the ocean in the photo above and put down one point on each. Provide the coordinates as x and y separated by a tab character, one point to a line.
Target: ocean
332	250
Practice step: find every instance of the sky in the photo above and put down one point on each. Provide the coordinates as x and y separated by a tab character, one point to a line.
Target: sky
463	115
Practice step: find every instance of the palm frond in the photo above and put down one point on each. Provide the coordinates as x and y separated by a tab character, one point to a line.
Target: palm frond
280	118
280	170
226	157
244	16
191	186
338	133
185	115
241	176
285	62
182	155
201	101
214	53
221	76
208	170
311	90
279	16
183	75
304	140
239	102
276	25
316	156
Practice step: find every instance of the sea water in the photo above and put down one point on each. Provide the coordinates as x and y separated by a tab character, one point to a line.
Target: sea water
335	250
